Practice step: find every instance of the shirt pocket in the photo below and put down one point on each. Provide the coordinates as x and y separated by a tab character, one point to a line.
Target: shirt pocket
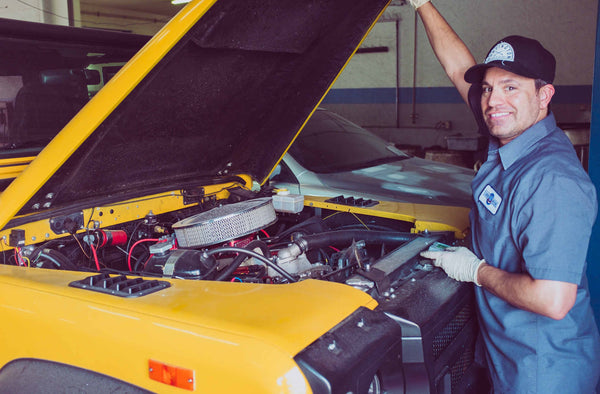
487	231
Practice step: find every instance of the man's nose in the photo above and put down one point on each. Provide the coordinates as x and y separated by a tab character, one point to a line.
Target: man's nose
495	97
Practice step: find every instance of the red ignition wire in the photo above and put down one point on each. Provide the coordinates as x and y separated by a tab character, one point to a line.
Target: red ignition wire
134	245
265	233
95	257
149	257
17	260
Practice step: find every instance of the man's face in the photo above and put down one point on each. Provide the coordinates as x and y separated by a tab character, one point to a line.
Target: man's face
511	104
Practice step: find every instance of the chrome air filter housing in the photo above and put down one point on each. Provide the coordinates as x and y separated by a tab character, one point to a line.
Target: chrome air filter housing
225	223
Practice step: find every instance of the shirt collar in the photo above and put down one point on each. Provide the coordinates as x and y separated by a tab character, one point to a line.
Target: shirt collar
517	148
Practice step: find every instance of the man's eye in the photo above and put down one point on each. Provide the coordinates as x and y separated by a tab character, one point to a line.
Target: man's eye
509	88
487	89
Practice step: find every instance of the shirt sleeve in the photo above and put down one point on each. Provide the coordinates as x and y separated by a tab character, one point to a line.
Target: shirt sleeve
552	224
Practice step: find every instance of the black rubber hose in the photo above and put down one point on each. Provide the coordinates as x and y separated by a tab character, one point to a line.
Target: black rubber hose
312	225
258	256
55	257
241	257
309	242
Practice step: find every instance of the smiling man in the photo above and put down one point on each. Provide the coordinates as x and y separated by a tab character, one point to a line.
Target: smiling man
531	220
516	90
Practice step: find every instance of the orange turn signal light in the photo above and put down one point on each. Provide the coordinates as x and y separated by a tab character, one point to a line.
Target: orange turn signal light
171	375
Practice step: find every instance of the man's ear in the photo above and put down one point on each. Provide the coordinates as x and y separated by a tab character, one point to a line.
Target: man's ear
545	94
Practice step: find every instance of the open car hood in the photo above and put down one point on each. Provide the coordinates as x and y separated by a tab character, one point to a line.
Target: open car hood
221	90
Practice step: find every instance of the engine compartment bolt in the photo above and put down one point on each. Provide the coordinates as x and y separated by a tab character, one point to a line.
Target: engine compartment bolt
332	346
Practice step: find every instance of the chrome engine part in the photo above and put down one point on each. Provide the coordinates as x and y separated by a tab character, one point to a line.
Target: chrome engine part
225	223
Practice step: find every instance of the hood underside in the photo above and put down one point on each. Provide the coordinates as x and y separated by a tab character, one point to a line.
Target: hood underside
225	98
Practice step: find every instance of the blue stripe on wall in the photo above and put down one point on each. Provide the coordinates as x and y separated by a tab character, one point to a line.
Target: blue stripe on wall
566	94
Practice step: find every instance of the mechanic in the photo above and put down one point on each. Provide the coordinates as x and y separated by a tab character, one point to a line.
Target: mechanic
533	210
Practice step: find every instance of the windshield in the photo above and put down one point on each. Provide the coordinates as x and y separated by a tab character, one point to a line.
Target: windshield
44	83
330	143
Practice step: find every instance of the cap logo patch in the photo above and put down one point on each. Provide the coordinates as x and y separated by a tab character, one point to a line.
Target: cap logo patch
501	52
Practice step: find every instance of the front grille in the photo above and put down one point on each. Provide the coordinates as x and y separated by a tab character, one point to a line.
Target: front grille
464	362
447	335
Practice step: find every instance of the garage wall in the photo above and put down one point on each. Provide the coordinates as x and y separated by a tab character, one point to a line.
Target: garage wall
44	11
394	85
397	58
99	17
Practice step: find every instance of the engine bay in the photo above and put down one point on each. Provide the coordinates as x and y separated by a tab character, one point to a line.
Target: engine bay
246	240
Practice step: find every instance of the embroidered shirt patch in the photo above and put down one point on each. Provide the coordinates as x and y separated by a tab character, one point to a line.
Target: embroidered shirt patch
503	52
490	199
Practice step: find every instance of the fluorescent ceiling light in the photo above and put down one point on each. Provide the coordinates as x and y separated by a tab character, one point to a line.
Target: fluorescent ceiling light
180	1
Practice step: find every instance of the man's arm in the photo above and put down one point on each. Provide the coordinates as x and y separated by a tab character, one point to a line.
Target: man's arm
550	298
451	51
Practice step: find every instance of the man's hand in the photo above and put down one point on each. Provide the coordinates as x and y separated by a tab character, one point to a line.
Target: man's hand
458	262
417	3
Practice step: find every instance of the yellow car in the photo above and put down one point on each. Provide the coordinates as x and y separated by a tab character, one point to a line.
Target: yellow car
142	250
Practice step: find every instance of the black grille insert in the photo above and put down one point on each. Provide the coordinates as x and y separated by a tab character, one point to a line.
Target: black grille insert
353	202
447	335
120	285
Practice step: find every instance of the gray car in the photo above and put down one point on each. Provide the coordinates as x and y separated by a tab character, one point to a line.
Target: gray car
334	157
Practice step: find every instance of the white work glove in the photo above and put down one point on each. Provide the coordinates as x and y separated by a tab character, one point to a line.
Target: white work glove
417	3
459	263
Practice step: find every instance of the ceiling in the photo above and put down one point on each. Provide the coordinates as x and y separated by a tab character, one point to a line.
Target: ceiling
152	8
158	7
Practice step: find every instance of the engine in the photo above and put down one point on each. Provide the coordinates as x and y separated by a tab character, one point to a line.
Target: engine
245	241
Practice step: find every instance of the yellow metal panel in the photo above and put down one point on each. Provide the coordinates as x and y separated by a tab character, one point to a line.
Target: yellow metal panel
197	325
16	161
11	168
12	171
105	216
423	216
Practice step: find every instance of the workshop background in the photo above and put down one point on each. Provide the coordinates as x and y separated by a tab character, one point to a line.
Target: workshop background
395	86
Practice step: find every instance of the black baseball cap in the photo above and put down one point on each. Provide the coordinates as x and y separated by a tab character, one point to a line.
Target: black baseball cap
520	55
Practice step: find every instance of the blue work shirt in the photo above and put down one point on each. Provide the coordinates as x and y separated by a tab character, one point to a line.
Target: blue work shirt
534	207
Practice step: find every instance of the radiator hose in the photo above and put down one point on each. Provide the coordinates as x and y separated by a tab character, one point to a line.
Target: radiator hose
304	243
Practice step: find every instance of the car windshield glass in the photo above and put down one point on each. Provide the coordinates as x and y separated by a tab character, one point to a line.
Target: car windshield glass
44	84
330	143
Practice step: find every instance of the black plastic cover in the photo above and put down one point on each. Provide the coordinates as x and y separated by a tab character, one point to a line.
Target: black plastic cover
347	358
120	285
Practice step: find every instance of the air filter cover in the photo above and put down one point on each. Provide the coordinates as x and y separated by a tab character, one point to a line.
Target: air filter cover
225	223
